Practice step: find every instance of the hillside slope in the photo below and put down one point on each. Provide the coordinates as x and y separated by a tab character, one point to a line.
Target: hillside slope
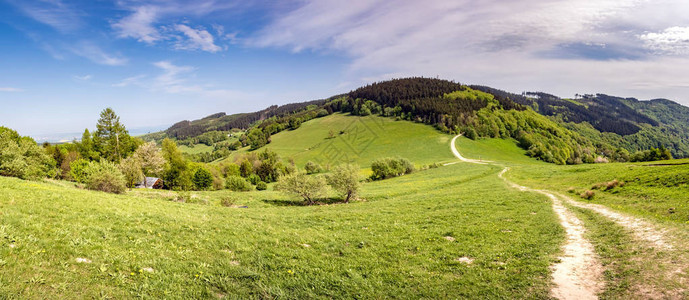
565	131
358	139
424	235
621	122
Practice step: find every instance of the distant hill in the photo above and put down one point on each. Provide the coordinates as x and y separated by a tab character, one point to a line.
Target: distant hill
223	122
550	128
622	122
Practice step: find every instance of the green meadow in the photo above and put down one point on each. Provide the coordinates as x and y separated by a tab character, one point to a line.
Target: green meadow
456	231
196	149
450	232
359	140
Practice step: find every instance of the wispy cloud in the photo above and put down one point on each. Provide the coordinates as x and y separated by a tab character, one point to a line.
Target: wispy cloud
153	22
84	77
10	89
176	79
94	53
140	25
554	45
54	13
196	39
131	81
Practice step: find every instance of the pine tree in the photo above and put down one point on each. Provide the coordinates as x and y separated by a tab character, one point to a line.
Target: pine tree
112	137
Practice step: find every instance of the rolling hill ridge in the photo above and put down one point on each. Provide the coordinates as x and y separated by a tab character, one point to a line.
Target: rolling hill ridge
552	129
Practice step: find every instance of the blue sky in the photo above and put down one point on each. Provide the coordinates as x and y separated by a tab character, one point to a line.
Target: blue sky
160	61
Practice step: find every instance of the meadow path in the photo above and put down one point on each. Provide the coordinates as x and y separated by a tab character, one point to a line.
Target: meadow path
578	274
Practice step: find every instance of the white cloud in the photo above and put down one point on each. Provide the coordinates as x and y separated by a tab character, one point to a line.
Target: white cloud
176	79
130	81
197	39
10	89
53	13
674	40
139	25
559	46
83	78
94	53
152	22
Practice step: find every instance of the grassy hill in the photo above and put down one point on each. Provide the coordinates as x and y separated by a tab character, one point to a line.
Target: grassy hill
457	231
655	190
426	235
359	140
561	131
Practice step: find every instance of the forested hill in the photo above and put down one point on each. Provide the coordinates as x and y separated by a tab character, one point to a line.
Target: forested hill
622	122
222	122
585	129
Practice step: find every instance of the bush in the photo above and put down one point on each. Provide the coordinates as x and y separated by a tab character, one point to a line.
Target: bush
613	184
345	180
21	157
308	187
230	169
312	168
390	167
227	202
106	177
254	179
261	186
238	184
588	194
202	179
78	170
131	169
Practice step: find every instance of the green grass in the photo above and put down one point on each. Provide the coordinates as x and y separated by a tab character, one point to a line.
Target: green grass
365	139
403	239
392	244
196	149
654	190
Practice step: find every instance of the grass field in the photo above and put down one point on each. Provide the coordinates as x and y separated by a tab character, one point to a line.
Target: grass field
455	231
198	148
655	190
364	140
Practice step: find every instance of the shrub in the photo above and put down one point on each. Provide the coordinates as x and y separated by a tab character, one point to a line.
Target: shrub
261	186
254	179
613	184
21	157
238	184
588	194
390	167
182	197
308	187
78	170
131	169
246	168
229	169
345	179
312	168
106	177
227	202
202	178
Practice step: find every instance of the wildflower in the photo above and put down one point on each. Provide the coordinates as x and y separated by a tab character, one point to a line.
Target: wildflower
290	272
